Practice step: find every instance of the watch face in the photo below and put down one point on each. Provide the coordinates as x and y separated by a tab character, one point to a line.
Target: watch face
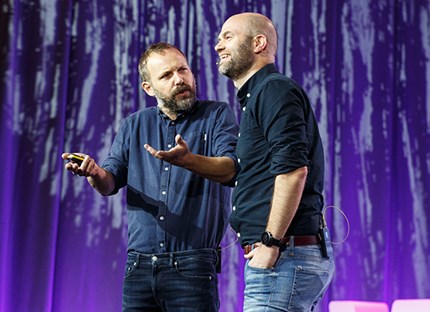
266	239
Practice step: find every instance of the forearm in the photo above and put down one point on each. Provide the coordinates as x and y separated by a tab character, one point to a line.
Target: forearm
102	181
218	169
287	193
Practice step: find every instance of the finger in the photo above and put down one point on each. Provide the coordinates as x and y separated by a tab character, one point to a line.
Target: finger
72	167
91	167
87	167
68	166
65	155
164	155
84	165
87	159
250	254
150	149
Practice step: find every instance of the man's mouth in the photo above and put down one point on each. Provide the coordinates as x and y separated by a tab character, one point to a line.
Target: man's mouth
183	91
223	58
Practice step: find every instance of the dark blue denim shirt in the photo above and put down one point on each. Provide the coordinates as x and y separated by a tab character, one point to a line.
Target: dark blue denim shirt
170	208
278	134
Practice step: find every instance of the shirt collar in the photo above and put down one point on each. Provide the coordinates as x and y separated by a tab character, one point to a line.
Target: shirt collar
246	90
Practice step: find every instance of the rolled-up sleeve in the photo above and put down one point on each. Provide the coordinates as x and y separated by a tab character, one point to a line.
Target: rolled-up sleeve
225	136
225	133
117	161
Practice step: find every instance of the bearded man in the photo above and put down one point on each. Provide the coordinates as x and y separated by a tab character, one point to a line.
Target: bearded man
278	198
176	160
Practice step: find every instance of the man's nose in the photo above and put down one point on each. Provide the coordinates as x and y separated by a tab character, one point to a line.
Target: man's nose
219	46
178	79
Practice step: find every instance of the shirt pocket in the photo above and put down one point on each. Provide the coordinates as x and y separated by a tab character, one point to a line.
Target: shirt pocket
196	141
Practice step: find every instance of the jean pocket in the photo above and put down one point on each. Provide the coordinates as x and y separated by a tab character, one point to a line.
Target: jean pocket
250	267
198	268
309	281
130	267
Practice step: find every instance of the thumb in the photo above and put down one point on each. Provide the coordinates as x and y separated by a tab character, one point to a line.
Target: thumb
65	155
250	254
179	140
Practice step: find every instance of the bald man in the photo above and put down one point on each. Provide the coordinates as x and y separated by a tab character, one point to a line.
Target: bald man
278	198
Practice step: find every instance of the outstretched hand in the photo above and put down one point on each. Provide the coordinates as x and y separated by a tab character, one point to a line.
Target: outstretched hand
179	155
86	168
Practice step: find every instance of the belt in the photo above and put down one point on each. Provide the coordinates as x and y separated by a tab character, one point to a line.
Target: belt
303	240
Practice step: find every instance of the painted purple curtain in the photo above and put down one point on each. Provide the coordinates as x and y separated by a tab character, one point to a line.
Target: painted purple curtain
69	77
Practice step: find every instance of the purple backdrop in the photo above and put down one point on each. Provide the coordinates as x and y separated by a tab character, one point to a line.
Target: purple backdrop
69	76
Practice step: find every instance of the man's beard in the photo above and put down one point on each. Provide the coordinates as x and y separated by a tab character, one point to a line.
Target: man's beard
240	62
176	106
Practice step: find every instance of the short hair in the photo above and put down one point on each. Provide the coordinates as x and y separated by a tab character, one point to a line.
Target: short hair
159	48
260	24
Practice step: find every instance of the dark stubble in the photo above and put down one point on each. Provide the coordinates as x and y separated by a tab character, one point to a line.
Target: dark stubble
240	61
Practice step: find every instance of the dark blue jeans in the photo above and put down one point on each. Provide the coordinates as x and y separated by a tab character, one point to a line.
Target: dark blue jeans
177	281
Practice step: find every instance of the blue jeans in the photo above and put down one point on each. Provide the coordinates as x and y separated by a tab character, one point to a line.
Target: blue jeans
176	281
296	283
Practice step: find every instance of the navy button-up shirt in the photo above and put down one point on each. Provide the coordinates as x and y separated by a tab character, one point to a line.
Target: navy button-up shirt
170	208
278	134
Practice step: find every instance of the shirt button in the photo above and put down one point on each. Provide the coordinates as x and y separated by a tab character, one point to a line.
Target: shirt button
244	108
238	234
169	145
238	134
154	258
161	218
248	95
166	168
236	183
161	244
163	192
238	160
172	123
234	208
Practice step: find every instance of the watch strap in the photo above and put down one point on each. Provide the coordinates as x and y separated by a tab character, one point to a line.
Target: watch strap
268	240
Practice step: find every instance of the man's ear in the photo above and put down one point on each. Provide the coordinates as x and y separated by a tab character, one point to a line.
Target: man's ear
146	86
260	43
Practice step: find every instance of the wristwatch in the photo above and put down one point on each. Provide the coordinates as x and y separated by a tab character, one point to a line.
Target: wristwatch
268	240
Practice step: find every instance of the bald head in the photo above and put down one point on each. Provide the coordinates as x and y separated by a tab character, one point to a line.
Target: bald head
257	24
246	43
